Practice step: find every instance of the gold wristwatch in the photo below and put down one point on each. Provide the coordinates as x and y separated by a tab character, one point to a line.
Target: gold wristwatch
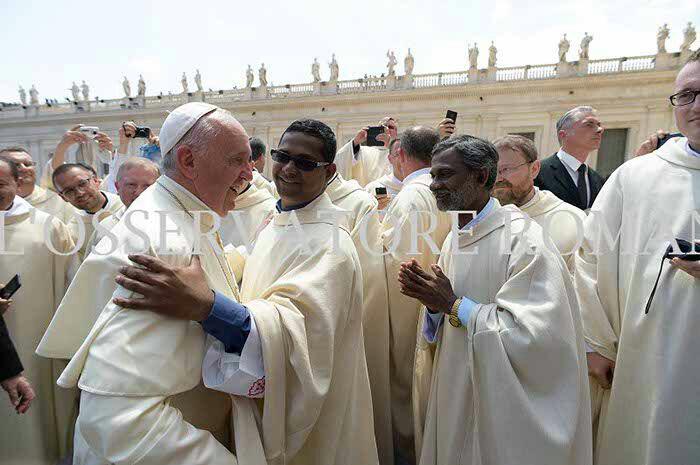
454	314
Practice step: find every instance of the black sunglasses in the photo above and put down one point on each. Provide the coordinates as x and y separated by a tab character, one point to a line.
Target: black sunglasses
301	163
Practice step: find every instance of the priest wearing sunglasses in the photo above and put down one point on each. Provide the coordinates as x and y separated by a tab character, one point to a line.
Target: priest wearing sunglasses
296	341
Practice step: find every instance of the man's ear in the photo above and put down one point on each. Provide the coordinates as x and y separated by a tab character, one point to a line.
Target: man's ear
185	161
330	171
536	165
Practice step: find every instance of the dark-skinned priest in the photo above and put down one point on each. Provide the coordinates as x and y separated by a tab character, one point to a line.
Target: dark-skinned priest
509	382
292	354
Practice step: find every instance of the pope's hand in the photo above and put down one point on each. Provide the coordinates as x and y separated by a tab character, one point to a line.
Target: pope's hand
435	292
601	369
179	292
20	392
692	268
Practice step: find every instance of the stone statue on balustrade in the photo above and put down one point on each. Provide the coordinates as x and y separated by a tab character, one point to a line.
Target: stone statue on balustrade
688	37
33	96
661	37
564	46
408	63
249	76
316	70
23	96
262	75
585	44
473	56
75	92
142	86
127	87
86	91
391	65
198	81
334	68
185	85
492	55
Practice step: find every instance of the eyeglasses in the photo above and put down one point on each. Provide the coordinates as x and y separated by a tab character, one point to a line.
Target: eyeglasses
303	164
72	191
685	97
511	169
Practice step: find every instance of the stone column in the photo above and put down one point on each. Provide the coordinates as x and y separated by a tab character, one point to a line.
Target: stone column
407	81
473	75
491	74
391	82
261	93
664	60
317	88
564	69
582	66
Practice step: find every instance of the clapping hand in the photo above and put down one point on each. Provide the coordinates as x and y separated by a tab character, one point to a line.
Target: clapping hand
435	292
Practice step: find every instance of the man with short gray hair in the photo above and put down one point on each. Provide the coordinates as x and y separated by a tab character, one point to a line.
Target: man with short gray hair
565	173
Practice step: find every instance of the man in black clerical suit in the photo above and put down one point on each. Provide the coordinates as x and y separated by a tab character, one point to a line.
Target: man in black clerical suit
565	173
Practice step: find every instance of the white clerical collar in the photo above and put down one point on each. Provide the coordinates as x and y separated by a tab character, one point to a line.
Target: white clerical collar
568	160
481	215
396	180
533	200
415	174
690	151
19	207
107	204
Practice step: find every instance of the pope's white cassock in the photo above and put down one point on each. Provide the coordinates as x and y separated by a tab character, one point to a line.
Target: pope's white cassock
50	202
42	435
303	287
241	225
414	205
653	413
103	228
562	223
363	219
140	373
511	385
369	164
392	184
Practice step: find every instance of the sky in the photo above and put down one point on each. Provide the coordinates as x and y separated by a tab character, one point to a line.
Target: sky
51	43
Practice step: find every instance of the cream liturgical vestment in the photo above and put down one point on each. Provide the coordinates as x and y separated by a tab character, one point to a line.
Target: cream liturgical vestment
369	164
363	220
261	183
512	386
42	435
392	184
84	221
252	208
414	211
561	223
653	413
303	287
140	372
103	228
50	202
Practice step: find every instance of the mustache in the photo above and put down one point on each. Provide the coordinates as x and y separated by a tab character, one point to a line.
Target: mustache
502	184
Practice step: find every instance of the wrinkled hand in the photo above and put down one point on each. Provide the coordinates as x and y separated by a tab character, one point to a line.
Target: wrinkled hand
692	268
601	369
179	292
4	304
651	144
435	292
104	142
446	128
20	392
361	136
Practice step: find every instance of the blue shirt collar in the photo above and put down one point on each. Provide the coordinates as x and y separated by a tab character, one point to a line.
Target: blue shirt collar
481	215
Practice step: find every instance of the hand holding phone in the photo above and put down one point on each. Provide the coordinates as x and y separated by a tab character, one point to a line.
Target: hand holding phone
372	133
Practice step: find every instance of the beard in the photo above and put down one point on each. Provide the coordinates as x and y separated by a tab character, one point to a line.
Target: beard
508	194
455	200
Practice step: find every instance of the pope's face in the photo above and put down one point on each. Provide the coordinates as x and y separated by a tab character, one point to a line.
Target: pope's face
27	171
222	168
688	116
516	177
8	187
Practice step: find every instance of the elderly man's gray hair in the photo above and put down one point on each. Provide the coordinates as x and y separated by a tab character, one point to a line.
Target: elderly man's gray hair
134	162
572	116
202	131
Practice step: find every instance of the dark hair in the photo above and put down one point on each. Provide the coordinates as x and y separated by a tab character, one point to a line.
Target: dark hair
318	130
69	166
257	147
476	154
418	142
519	144
14	169
395	141
14	148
